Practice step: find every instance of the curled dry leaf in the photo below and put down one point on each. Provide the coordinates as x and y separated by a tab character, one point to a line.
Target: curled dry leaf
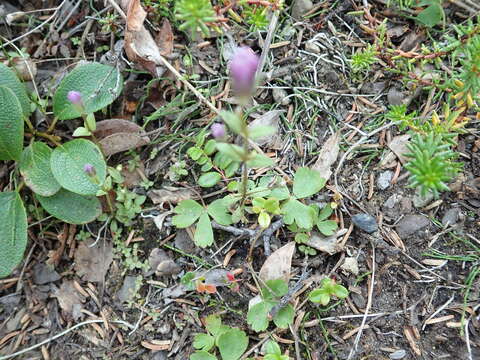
328	155
170	194
69	299
92	262
399	146
278	265
270	118
140	46
117	135
164	38
330	244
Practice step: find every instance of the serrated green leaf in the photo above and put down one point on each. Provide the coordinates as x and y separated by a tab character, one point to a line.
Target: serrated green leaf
275	289
203	342
11	125
202	355
9	79
195	153
307	182
327	227
99	85
232	344
301	214
257	316
284	317
13	231
67	163
203	233
209	179
214	325
219	210
188	211
35	169
70	207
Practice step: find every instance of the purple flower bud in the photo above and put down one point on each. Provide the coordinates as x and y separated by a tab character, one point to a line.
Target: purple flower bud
74	97
243	66
89	170
217	130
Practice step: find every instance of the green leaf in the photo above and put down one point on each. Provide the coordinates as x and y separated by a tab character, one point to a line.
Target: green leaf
188	211
70	207
68	161
272	205
203	233
234	152
222	160
195	153
99	85
11	125
271	347
340	291
301	238
307	182
219	210
35	169
264	220
284	317
81	131
327	227
9	79
325	213
261	131
319	296
202	355
257	316
260	160
280	193
209	179
232	344
301	214
203	342
232	169
276	289
13	231
214	325
233	121
431	16
210	147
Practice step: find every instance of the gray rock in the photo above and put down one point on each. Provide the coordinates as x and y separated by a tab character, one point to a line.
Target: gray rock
395	97
312	47
383	180
280	96
410	224
127	291
398	355
167	267
300	8
365	222
350	265
358	300
44	274
160	355
420	201
392	201
184	243
451	217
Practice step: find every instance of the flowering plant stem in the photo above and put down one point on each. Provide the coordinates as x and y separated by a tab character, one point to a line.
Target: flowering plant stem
244	133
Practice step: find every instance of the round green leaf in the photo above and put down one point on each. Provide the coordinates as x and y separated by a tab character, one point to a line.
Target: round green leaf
13	232
202	355
203	233
68	161
284	317
232	344
35	169
9	79
11	125
209	179
307	182
340	291
188	211
99	85
70	207
264	220
327	227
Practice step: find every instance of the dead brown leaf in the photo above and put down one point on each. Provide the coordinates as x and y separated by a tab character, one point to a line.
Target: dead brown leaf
278	265
328	155
92	262
69	299
330	245
164	38
112	126
399	146
140	46
270	118
170	195
120	142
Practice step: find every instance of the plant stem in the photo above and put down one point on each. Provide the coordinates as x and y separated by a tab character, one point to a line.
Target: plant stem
52	125
245	157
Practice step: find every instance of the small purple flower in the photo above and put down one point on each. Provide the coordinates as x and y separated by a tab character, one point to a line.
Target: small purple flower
217	130
74	97
243	66
89	170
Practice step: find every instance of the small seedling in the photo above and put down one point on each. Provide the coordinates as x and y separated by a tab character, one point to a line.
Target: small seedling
328	289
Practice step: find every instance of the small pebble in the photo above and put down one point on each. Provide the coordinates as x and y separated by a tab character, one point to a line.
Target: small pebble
365	222
350	265
280	96
310	46
410	224
398	355
384	179
300	8
451	217
395	97
420	201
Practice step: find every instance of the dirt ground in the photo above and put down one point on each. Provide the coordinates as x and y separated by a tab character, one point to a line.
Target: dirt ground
414	292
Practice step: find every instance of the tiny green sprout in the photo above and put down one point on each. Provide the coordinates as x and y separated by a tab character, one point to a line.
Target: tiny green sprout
328	288
265	208
195	15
